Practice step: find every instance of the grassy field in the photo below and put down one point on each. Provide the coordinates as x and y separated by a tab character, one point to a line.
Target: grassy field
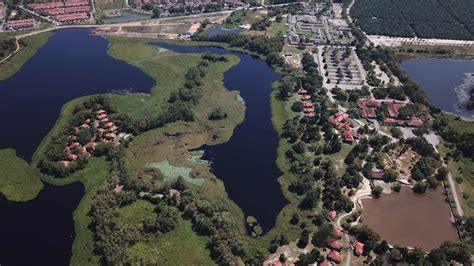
182	246
109	4
241	17
277	28
34	43
18	181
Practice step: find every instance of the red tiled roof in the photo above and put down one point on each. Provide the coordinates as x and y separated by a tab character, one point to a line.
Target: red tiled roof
325	263
335	256
65	163
377	174
415	122
394	108
331	215
338	233
359	248
335	245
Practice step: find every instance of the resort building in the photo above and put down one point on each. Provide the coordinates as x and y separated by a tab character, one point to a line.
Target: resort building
335	256
358	249
21	24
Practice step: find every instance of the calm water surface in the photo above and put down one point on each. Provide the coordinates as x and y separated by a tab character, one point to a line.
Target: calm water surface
246	163
72	64
443	80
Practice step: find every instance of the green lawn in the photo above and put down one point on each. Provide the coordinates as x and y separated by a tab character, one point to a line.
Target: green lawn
33	44
277	28
18	181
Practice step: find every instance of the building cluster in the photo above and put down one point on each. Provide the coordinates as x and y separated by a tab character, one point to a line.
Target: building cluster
72	10
368	109
308	106
293	60
315	27
335	246
3	10
108	133
21	24
167	4
340	121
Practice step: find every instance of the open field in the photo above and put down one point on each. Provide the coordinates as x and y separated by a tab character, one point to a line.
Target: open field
18	181
110	4
182	246
14	63
447	19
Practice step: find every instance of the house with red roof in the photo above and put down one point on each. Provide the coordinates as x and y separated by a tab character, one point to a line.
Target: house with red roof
338	233
72	157
377	174
65	163
331	215
358	248
302	91
335	256
415	122
394	108
336	245
325	263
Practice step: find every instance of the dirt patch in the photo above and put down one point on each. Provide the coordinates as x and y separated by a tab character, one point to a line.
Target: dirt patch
409	219
403	159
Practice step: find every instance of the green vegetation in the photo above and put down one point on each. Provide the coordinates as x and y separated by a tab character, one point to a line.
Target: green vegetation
241	17
421	18
181	246
18	181
28	48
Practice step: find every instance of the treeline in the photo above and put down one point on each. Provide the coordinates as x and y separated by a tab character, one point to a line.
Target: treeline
7	46
423	18
56	148
463	141
179	107
258	44
389	62
112	238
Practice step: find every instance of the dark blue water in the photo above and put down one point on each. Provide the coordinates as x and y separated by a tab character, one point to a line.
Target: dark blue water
72	64
40	231
440	78
246	163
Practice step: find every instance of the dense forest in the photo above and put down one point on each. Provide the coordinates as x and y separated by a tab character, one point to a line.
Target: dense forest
450	19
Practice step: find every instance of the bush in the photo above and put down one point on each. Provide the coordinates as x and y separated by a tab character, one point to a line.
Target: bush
297	107
218	114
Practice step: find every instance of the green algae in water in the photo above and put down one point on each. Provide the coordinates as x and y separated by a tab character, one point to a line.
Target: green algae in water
171	173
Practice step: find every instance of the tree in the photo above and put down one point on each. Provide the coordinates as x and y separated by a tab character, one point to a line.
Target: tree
396	132
297	107
309	258
218	114
381	248
282	258
324	234
416	256
311	199
436	257
377	191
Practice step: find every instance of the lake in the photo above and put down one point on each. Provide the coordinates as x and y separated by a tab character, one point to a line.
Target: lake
72	64
445	81
410	219
246	163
